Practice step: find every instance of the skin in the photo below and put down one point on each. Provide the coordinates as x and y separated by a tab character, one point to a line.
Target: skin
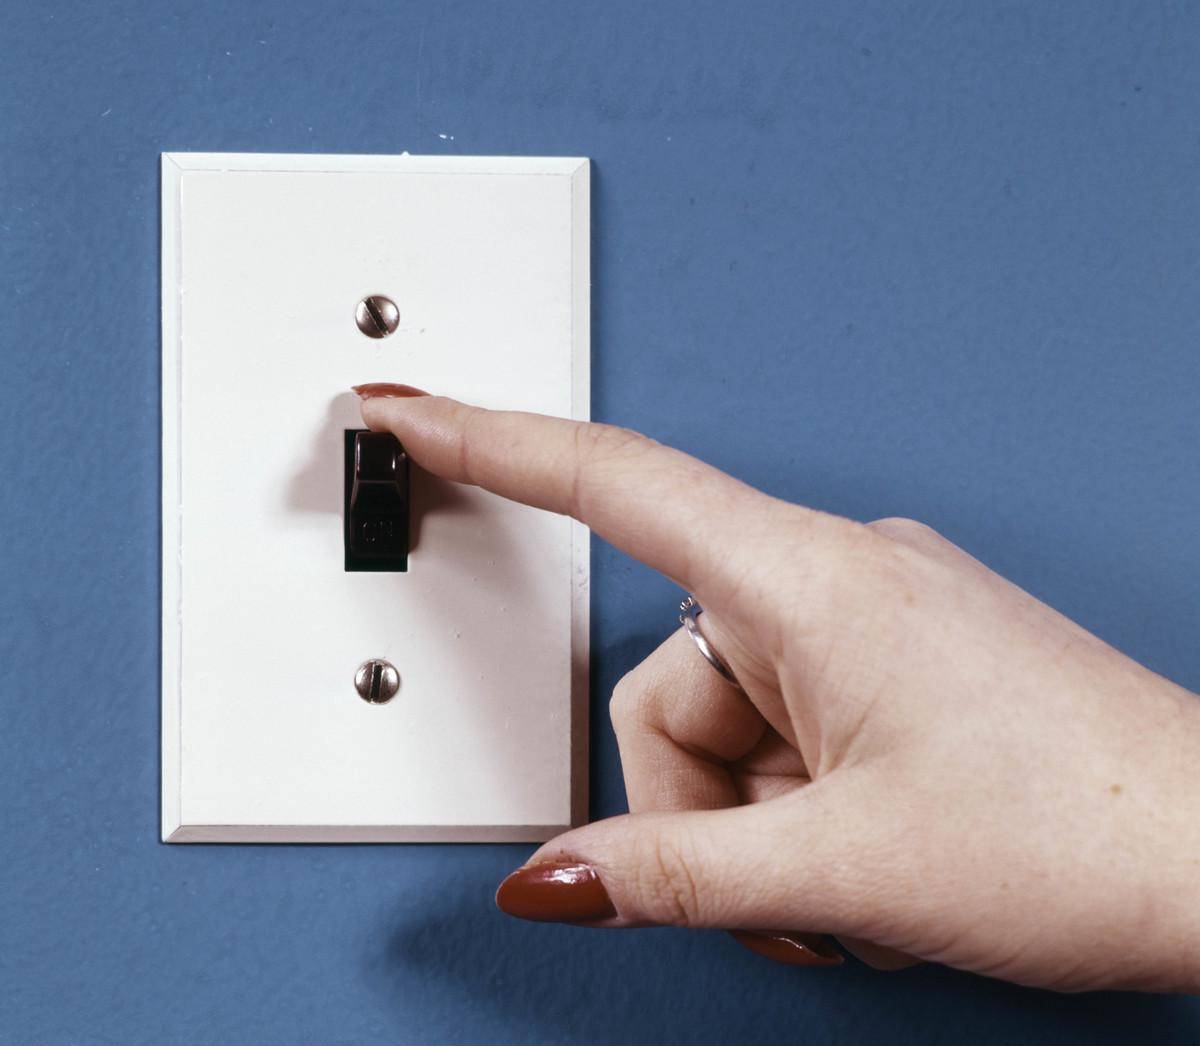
926	761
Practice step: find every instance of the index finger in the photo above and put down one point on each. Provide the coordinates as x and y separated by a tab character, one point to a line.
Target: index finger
662	506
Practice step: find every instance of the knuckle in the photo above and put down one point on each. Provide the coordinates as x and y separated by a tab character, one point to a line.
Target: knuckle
627	704
845	553
902	529
668	887
594	439
469	442
600	446
859	571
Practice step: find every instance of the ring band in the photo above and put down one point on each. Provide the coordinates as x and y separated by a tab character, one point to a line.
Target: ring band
689	610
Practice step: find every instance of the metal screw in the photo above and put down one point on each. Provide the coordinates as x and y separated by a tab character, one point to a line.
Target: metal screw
377	681
377	316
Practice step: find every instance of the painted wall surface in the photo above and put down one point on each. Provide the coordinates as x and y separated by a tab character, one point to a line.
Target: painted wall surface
937	260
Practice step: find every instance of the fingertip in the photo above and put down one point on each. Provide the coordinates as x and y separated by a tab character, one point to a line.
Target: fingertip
374	414
387	390
386	407
555	891
791	949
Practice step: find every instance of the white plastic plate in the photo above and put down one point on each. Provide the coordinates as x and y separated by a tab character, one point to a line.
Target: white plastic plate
264	738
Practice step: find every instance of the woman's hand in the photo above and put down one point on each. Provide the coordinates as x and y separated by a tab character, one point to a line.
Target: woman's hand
925	759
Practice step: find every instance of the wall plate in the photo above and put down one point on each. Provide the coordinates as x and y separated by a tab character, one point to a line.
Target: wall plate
264	738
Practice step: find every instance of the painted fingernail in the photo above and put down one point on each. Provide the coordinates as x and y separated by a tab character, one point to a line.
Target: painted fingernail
387	390
795	949
555	892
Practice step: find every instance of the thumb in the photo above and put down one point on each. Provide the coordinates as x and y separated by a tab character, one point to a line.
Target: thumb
779	863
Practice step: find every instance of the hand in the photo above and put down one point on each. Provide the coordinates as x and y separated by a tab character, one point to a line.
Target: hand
925	759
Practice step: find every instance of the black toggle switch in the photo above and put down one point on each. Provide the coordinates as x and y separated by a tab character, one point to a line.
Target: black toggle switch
375	503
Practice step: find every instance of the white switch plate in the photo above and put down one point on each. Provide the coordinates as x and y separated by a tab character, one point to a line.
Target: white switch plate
264	738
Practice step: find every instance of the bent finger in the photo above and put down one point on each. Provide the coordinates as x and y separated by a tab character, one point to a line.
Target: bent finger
679	724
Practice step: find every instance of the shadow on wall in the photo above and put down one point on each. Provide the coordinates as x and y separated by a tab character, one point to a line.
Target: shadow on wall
664	985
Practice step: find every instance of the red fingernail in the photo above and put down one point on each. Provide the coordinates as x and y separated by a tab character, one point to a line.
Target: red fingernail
387	390
795	949
555	892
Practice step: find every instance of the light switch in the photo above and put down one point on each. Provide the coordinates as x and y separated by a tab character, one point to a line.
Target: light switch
376	504
354	650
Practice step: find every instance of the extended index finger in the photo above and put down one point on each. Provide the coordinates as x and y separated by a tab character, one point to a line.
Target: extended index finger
668	509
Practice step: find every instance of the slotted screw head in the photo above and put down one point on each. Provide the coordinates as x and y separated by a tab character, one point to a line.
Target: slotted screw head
376	681
377	316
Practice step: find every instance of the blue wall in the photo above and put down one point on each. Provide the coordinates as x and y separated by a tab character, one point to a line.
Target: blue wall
937	260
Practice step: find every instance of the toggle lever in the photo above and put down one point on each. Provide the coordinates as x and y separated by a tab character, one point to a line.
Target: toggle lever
375	505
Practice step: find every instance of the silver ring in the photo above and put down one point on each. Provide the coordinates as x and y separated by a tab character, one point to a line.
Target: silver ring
689	610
